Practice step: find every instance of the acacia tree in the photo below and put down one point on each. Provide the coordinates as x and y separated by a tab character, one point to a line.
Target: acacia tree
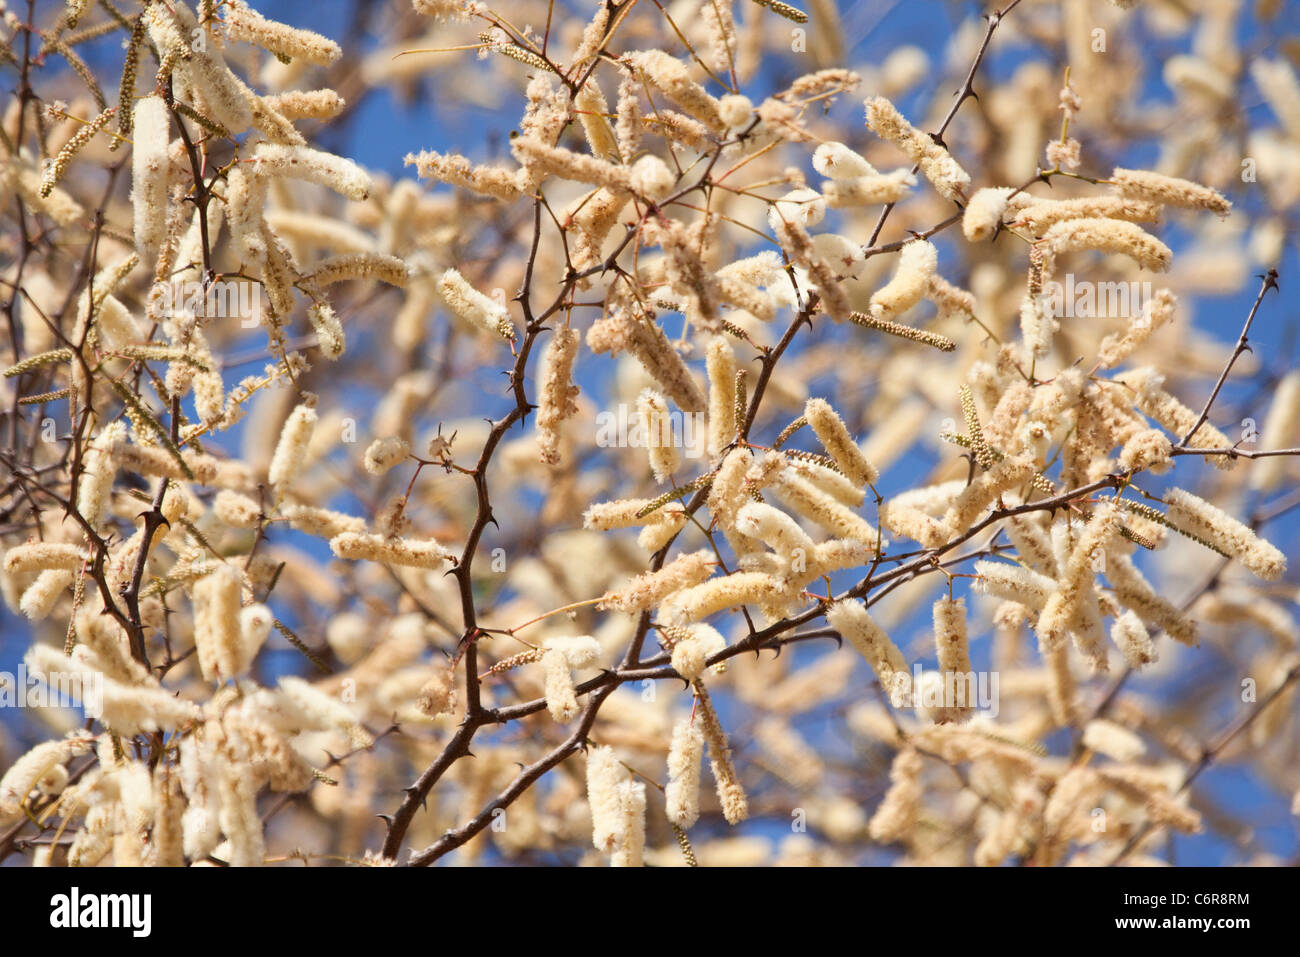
913	499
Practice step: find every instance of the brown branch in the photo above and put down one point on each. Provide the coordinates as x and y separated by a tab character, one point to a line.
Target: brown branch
1267	281
966	92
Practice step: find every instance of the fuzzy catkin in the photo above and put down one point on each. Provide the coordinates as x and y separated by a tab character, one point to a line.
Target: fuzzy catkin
247	25
936	163
411	553
682	793
96	487
306	104
24	774
1169	190
311	706
649	588
604	774
1133	640
898	811
1191	513
1156	312
535	155
728	591
731	793
245	197
591	106
151	122
42	556
721	364
557	391
255	623
692	651
459	171
235	509
774	528
216	625
672	77
868	190
804	207
41	596
314	166
382	454
1113	740
1076	582
836	161
983	214
1014	583
684	264
952	301
839	444
1155	402
1040	214
321	522
1002	477
909	522
291	449
474	307
631	840
1107	236
665	455
221	94
651	348
561	700
851	620
953	652
629	124
917	262
359	265
810	501
1133	591
130	710
329	330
